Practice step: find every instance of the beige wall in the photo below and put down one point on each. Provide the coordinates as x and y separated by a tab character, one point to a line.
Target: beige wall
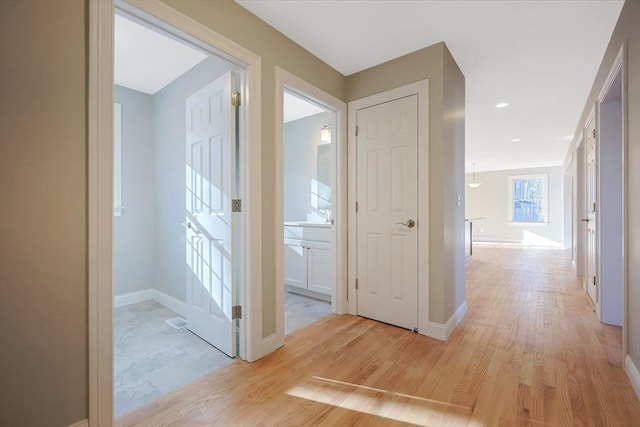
627	31
236	23
453	182
43	213
446	162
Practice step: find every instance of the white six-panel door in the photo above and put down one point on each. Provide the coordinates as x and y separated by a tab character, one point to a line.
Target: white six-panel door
591	246
209	223
387	196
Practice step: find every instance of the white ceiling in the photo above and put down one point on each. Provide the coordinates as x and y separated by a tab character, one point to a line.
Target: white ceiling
539	56
297	108
146	60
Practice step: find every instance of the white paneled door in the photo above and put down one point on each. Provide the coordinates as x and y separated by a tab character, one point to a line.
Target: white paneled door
209	223
387	196
590	220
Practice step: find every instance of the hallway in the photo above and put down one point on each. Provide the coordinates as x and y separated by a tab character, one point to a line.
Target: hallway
529	352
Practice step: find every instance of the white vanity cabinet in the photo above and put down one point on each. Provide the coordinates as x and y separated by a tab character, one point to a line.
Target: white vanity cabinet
308	260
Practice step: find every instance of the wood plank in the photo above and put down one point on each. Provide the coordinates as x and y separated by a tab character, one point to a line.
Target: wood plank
530	352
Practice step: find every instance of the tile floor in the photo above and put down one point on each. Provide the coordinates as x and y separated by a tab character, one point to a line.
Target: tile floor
301	311
152	358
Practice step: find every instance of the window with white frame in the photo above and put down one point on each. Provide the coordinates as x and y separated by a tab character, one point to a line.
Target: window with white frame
528	199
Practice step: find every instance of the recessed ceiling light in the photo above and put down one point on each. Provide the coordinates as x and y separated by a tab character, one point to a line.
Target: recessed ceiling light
502	105
515	140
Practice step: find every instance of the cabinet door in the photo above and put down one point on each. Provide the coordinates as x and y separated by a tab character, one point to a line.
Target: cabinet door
295	263
320	267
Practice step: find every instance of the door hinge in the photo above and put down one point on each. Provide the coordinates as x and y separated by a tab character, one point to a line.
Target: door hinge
356	130
356	284
235	99
236	312
236	205
595	283
356	207
594	206
594	132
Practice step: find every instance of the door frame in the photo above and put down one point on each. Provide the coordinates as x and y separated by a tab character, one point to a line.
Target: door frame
100	183
596	304
292	83
421	89
578	206
618	66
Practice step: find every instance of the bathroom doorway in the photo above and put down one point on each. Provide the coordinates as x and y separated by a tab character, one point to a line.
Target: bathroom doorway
175	231
311	279
308	238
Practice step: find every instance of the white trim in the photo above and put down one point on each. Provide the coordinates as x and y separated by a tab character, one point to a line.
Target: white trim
421	89
591	117
132	298
613	72
484	239
442	331
83	423
100	181
292	83
307	293
634	375
172	303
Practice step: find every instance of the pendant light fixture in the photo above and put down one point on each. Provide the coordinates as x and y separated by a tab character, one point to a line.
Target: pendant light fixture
474	184
325	133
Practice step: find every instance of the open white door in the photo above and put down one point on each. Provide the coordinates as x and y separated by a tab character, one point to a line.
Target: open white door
387	194
210	180
590	220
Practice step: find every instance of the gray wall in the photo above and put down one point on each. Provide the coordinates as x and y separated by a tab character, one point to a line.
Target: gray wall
491	200
446	162
627	31
301	139
43	213
133	231
170	182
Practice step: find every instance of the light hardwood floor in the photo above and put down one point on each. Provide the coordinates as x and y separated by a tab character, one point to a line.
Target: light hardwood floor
529	352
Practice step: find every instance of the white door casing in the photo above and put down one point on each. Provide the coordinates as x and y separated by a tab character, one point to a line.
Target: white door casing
100	176
387	197
591	216
209	222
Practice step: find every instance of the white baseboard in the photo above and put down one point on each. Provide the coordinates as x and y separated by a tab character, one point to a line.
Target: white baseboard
168	301
83	423
442	331
634	375
132	298
180	307
307	293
